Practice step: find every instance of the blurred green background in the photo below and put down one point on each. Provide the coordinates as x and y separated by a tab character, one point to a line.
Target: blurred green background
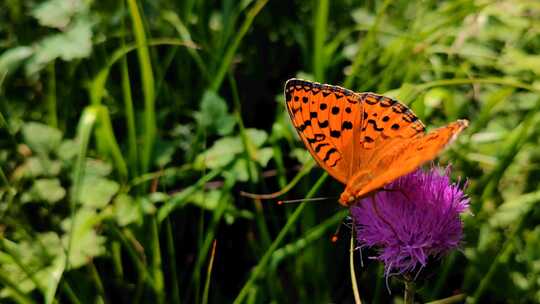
129	128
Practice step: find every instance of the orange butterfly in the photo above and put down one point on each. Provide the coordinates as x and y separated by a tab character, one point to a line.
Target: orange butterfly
363	140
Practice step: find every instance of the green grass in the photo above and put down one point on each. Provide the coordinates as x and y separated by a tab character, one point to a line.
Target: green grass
131	131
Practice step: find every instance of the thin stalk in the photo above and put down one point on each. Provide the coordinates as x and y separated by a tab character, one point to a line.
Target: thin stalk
133	154
51	96
365	45
443	275
183	31
409	292
209	234
106	133
501	259
209	274
453	299
354	283
70	294
84	130
319	38
178	199
229	54
97	280
175	293
4	124
148	84
116	251
261	266
308	238
498	81
157	271
250	157
133	157
379	284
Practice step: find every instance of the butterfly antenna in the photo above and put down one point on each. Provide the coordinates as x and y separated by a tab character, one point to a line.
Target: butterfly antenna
314	199
335	236
344	222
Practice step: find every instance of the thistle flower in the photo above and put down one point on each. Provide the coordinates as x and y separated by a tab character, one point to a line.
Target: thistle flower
411	219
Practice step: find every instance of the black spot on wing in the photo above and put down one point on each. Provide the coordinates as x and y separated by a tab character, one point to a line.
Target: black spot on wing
328	153
288	96
347	125
374	124
335	133
319	146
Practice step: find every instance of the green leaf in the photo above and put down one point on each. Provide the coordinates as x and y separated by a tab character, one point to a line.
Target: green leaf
97	192
40	137
224	151
42	261
46	189
38	166
11	59
264	155
213	115
510	211
85	243
96	167
257	137
207	200
75	43
68	149
126	210
57	13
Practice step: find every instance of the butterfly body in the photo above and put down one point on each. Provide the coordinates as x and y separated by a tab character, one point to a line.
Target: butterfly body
363	140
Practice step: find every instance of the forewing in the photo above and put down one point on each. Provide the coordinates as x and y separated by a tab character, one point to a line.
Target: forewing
324	116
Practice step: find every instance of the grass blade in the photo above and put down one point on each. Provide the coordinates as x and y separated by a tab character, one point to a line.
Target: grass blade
209	274
231	50
319	39
148	85
266	257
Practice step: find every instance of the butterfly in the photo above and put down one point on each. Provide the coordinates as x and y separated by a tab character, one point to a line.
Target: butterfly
364	140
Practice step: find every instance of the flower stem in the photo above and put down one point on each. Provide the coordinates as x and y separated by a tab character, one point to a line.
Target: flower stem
354	283
409	292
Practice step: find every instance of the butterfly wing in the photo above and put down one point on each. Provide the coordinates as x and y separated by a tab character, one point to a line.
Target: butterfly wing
364	140
324	116
394	157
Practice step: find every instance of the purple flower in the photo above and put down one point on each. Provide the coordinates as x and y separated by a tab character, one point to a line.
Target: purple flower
413	218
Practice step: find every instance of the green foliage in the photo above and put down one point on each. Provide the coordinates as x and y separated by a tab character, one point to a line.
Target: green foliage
130	128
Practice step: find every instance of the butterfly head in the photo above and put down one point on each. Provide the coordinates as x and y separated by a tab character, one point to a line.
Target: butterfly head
347	198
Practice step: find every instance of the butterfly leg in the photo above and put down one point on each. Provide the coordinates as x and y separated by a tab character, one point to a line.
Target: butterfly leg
379	215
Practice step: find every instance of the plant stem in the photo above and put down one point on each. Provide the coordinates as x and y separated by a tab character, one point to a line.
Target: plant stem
354	283
409	292
262	265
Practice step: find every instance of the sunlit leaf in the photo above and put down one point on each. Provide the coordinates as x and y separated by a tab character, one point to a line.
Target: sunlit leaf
41	138
85	243
97	192
74	43
57	13
11	59
213	114
126	210
47	189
